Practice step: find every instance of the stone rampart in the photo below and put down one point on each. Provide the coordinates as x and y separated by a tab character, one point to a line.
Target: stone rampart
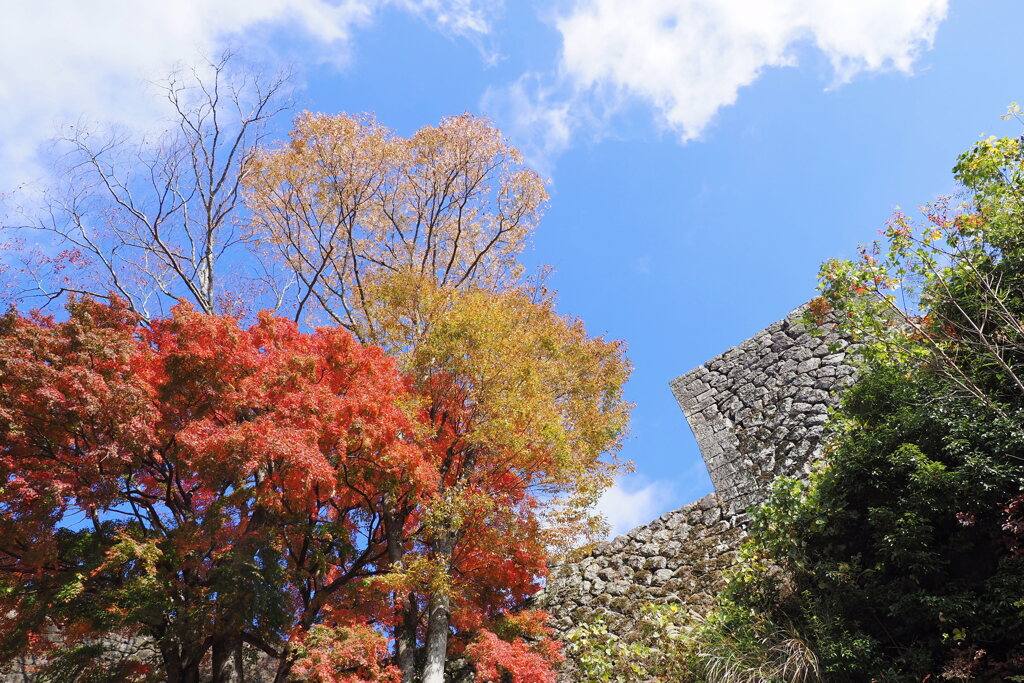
758	412
678	557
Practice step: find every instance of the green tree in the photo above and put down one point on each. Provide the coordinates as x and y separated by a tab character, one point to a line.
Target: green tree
896	561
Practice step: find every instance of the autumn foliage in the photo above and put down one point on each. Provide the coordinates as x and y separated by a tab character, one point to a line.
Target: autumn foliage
206	485
347	204
374	500
202	482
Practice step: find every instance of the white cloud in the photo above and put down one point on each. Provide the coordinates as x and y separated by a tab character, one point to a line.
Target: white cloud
63	61
687	59
541	121
466	18
626	509
469	19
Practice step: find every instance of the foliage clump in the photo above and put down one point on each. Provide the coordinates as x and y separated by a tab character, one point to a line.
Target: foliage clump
667	644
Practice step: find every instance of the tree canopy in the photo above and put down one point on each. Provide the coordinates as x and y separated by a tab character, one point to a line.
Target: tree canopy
373	499
194	481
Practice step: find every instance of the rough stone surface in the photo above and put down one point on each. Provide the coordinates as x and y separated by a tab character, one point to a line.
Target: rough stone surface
117	649
120	649
678	557
758	412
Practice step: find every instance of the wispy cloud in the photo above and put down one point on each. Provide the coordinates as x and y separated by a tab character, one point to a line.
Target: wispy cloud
466	18
64	61
539	117
686	59
627	505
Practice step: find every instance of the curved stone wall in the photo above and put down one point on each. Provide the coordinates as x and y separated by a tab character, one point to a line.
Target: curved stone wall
758	412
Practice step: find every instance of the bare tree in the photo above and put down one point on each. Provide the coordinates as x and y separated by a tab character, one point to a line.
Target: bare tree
155	220
357	213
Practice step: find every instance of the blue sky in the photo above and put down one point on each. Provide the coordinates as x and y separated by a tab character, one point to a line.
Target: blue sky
704	156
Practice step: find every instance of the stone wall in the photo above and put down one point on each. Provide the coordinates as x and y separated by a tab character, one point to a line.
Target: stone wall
116	650
758	412
678	557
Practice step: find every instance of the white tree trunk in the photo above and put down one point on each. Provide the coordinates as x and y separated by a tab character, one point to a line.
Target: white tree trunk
437	638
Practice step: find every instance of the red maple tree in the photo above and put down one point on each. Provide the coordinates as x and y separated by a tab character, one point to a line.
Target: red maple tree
205	485
198	482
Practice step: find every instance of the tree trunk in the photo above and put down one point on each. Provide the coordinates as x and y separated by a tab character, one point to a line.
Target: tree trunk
405	630
178	668
228	666
284	665
227	660
439	617
437	638
405	640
